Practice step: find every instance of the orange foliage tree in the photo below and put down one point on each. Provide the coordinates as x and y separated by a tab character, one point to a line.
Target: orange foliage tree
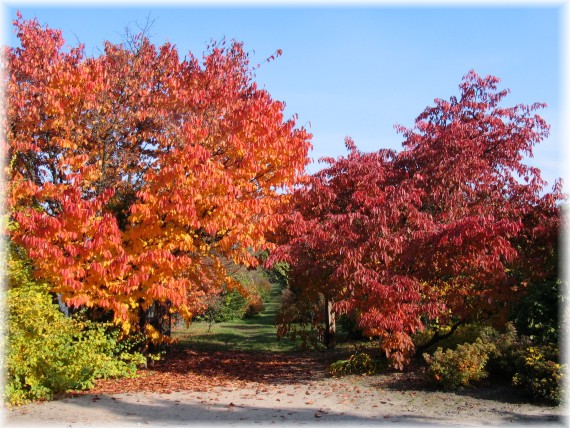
135	176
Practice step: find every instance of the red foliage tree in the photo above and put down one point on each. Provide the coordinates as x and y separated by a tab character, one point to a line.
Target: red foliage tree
399	239
135	176
466	157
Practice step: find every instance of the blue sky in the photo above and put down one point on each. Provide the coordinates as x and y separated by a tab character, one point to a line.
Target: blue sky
357	71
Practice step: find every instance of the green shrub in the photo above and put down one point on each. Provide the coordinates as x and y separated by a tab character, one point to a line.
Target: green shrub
460	366
358	363
214	305
533	367
537	314
231	304
47	353
530	366
509	346
539	373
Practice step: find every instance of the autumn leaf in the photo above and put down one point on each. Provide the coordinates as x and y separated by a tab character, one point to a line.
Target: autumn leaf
136	176
440	230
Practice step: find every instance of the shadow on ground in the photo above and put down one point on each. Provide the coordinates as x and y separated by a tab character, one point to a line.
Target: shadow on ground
164	412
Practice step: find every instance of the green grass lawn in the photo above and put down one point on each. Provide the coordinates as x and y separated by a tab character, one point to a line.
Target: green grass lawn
257	334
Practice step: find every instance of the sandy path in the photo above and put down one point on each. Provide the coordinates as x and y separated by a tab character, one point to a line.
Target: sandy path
352	400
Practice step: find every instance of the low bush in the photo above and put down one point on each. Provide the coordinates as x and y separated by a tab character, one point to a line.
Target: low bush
509	346
259	293
254	306
539	373
460	366
532	367
47	353
233	306
358	363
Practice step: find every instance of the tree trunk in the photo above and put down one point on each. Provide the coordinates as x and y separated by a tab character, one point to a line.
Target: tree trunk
330	325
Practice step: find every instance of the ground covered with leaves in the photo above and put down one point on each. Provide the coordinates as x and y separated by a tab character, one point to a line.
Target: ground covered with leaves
186	369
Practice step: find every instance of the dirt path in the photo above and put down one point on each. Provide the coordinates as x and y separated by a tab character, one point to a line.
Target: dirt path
197	388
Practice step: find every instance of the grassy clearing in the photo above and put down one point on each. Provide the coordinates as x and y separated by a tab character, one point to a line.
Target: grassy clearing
257	334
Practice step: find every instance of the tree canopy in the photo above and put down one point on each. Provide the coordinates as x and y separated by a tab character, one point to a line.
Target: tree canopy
135	176
448	229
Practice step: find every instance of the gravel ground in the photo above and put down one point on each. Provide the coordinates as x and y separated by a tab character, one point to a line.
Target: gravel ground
353	400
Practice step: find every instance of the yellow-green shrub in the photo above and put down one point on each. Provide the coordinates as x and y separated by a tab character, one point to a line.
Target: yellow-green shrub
46	352
533	367
460	366
358	363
